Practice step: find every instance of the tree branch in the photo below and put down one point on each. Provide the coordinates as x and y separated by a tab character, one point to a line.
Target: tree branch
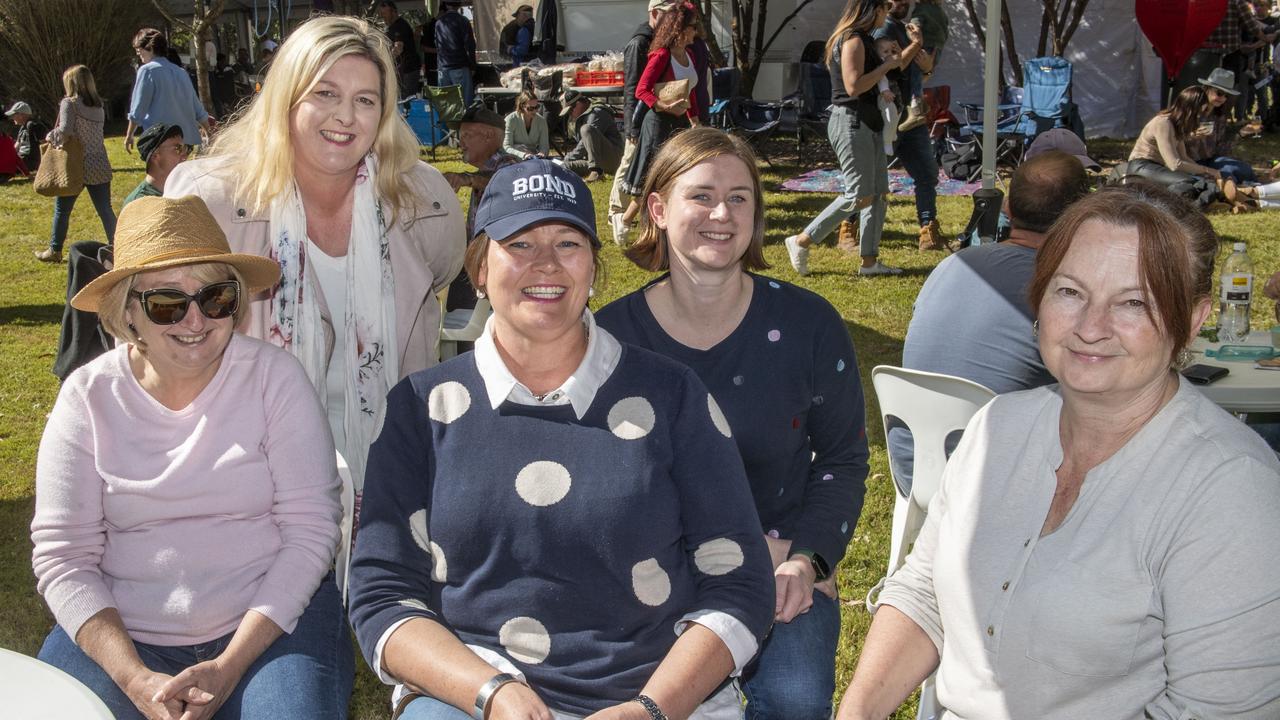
1015	62
973	20
782	25
1076	15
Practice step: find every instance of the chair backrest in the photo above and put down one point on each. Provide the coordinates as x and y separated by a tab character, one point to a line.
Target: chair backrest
932	406
462	326
815	89
724	83
342	562
1046	90
447	100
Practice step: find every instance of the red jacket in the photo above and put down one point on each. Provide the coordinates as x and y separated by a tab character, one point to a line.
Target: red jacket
10	163
658	69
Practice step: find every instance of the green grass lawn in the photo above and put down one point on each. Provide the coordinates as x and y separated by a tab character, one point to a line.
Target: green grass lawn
876	310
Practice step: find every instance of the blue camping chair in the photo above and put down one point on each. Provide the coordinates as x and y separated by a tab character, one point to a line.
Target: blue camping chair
425	122
1043	104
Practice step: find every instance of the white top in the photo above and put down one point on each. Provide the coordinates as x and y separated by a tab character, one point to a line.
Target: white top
685	72
1158	596
331	274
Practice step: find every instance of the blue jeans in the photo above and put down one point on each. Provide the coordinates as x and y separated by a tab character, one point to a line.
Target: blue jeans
864	169
1231	168
429	708
101	197
794	676
915	82
459	76
915	150
305	674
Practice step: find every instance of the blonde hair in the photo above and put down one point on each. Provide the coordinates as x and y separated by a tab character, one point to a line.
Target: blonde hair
257	143
113	308
78	82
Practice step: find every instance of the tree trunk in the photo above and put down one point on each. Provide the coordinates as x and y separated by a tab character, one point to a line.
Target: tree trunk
1015	63
749	61
713	44
202	20
972	12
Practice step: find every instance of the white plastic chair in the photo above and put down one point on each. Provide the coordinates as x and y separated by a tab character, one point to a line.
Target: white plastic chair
34	690
342	562
932	406
462	325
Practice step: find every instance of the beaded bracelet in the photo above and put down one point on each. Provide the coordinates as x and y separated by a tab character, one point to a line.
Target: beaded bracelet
655	712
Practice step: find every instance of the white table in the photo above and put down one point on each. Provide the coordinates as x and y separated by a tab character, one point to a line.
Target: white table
1246	389
33	690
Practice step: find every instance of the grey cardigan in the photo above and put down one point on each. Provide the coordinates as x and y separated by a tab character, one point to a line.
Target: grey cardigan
1157	597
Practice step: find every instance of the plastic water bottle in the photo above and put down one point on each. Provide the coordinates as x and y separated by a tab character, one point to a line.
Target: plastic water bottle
1237	293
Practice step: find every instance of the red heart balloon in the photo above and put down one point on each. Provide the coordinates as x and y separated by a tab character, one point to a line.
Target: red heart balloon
1178	27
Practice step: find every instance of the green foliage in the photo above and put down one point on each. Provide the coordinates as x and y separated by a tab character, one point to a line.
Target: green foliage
876	310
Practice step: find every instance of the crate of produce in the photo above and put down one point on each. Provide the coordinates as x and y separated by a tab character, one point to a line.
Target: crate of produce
589	78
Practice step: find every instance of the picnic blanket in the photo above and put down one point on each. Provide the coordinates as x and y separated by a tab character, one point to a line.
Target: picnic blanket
900	183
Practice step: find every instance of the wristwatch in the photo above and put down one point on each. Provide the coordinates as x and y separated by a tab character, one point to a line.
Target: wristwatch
820	570
488	689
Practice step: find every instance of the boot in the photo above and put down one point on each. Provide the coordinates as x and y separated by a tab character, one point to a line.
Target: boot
931	237
49	255
847	237
917	115
1227	187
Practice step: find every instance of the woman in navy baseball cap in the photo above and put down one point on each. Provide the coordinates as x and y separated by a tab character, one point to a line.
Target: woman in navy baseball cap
540	514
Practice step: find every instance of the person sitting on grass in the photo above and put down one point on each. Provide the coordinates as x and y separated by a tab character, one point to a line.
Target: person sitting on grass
600	145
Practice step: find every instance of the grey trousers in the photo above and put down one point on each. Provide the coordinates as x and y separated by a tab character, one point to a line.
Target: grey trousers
864	169
593	151
618	202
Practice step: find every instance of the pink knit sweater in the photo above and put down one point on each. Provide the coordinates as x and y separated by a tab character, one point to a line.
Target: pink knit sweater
184	520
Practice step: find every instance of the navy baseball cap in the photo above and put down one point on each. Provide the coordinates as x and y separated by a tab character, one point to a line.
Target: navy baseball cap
532	192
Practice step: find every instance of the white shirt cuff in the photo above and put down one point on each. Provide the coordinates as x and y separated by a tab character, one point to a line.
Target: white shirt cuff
383	675
740	641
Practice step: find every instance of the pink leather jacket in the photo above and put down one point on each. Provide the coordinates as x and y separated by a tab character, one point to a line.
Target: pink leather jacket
426	252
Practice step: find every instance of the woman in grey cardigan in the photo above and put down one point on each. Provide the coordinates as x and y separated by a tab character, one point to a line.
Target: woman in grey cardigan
1106	547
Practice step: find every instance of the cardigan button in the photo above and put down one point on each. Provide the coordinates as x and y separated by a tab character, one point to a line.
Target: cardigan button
991	631
1005	586
435	206
239	212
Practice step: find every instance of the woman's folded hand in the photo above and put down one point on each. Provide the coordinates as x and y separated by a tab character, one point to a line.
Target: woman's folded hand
517	701
203	687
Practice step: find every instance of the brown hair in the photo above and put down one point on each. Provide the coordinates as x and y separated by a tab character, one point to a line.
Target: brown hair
1185	111
671	24
478	248
1043	187
683	152
151	40
1176	250
525	97
858	16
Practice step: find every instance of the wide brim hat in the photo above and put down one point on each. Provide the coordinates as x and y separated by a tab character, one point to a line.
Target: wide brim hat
1221	79
154	233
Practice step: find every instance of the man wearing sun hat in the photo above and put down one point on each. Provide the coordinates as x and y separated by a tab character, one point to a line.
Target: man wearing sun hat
600	145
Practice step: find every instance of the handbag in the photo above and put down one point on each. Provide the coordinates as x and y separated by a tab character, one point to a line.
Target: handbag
61	172
672	91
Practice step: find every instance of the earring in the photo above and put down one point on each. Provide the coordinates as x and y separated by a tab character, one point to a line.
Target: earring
591	292
1184	358
479	293
133	329
1035	329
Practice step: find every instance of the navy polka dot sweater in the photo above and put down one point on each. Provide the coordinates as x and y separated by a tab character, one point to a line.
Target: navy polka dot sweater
570	546
788	382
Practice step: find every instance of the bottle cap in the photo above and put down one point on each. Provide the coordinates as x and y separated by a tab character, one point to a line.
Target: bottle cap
1239	247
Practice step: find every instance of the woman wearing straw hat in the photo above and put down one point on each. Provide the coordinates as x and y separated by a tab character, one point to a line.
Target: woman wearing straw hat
186	495
322	174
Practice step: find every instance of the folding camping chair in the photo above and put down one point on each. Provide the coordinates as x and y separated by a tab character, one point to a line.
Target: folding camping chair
446	100
425	122
724	88
1042	104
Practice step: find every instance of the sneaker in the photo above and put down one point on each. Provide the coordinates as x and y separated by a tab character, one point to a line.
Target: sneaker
594	176
879	269
619	228
49	255
799	255
931	237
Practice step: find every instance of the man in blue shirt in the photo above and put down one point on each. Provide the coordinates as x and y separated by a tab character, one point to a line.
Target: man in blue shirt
971	319
455	50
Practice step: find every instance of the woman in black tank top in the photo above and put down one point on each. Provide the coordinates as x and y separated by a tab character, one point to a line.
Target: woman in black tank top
854	131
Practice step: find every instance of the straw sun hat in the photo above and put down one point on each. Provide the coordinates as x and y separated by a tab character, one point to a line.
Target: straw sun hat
154	233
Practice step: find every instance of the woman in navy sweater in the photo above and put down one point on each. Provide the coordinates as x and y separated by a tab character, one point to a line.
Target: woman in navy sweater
778	359
556	525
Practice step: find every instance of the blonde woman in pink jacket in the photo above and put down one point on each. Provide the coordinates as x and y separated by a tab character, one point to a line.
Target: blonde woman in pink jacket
322	175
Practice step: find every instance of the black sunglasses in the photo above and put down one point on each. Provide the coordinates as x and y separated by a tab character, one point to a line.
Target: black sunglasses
167	306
